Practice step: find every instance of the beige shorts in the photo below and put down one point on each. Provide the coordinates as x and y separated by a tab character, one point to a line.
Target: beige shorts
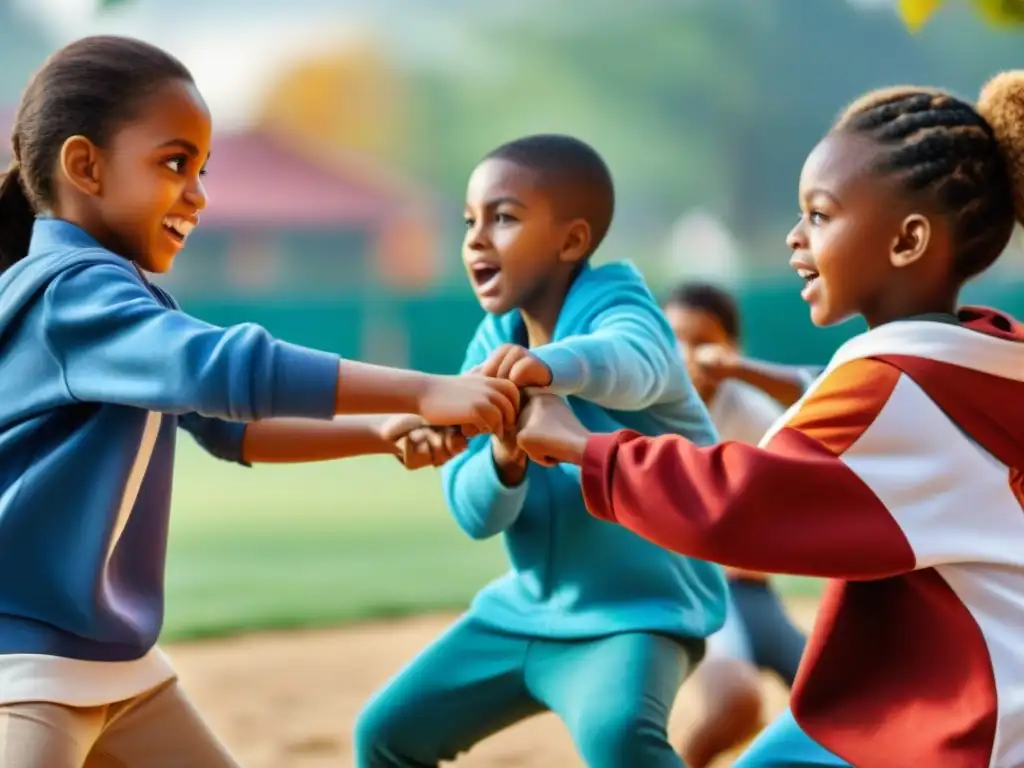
157	729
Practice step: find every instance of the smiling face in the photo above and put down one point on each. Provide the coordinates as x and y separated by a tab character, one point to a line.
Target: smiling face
144	190
516	248
856	235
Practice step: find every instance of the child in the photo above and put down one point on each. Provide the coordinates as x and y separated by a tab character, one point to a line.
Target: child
757	632
714	357
99	369
899	473
592	622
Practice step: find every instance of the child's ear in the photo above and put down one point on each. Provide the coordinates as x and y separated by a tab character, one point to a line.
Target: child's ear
80	164
912	242
576	243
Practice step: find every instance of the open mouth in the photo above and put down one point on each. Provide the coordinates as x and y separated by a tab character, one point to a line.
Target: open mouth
810	278
178	228
485	277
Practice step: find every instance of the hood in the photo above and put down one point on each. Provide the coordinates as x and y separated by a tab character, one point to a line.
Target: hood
594	291
973	371
56	246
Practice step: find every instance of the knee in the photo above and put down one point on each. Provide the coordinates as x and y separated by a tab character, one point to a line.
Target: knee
622	738
733	693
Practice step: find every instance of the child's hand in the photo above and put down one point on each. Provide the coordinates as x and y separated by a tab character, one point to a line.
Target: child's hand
518	365
478	403
418	445
429	447
715	362
550	433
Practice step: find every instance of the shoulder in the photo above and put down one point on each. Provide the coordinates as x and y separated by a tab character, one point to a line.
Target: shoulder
94	269
844	402
617	282
610	291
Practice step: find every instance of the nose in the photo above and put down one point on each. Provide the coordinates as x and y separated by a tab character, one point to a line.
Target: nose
797	238
195	194
476	237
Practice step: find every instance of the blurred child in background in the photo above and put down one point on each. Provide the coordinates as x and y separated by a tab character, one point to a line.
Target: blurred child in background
757	633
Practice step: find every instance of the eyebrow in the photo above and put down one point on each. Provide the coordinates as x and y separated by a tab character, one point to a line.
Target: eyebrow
505	199
185	144
819	192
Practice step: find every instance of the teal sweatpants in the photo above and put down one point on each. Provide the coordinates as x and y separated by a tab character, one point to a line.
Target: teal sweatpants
614	694
783	744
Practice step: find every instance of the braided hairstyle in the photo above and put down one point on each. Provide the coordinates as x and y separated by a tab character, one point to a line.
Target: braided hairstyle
967	161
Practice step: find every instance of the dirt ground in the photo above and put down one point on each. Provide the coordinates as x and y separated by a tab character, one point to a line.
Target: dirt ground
289	700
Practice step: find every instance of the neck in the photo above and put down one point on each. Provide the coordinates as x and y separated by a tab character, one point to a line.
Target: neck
74	214
540	326
887	312
540	313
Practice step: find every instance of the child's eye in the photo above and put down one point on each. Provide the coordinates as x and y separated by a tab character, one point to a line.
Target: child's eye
504	218
817	218
469	222
176	164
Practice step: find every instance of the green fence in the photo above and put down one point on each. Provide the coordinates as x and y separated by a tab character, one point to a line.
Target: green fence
430	333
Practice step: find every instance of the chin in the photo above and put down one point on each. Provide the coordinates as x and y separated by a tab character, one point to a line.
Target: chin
156	264
823	317
495	305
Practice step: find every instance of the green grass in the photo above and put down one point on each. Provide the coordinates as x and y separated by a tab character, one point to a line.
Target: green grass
289	546
278	547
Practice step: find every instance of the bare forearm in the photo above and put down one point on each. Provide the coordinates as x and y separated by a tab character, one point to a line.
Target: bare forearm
366	388
784	383
292	441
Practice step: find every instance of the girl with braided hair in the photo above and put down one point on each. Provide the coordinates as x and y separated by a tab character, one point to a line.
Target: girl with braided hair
899	475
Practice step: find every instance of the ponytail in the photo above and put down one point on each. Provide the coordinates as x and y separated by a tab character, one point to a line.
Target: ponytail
16	218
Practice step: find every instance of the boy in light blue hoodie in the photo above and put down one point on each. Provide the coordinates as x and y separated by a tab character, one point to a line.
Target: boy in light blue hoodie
592	622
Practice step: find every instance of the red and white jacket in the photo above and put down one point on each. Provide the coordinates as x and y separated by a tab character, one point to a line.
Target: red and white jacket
899	477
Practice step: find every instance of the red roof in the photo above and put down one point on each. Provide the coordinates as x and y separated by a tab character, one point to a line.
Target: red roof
255	179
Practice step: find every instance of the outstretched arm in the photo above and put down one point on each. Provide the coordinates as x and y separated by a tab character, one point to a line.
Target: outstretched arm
116	343
845	490
626	361
784	383
293	441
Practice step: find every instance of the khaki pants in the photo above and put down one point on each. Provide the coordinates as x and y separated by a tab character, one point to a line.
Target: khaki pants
157	729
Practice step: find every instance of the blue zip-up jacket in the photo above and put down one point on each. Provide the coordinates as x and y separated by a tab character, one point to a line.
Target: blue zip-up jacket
98	369
613	354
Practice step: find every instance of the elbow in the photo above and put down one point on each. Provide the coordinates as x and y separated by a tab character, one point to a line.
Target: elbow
653	385
656	373
477	524
477	529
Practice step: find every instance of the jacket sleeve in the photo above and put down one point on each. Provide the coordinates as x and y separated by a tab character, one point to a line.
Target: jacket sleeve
218	437
627	361
848	488
117	344
481	504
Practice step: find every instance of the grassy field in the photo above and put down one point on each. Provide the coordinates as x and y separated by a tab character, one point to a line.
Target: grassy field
316	545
